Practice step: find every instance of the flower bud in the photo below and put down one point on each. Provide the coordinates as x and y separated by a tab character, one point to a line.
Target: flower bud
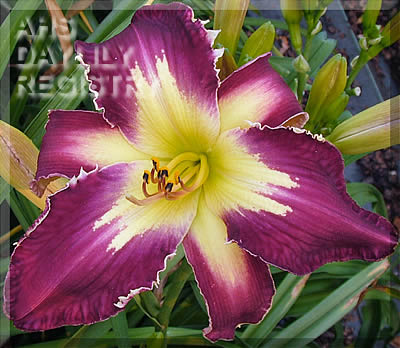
229	17
317	28
354	61
370	15
373	42
336	108
328	85
301	65
258	43
226	65
363	43
375	128
292	13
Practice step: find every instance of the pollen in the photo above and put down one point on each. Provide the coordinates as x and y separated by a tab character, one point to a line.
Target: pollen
182	175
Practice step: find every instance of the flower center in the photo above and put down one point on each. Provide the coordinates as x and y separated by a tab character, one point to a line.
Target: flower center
181	176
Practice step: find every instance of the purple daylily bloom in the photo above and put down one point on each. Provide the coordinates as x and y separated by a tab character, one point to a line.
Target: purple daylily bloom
172	159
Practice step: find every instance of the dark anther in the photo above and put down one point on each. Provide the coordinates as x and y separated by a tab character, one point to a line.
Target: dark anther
146	177
168	187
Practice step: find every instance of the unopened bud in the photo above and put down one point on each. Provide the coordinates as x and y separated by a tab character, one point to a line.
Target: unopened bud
226	65
375	128
373	42
260	42
363	43
317	28
292	13
301	65
335	109
229	18
328	85
356	91
370	15
354	61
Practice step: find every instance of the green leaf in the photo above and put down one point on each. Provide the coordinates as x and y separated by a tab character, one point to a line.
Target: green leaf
88	335
177	281
364	193
23	209
4	190
371	317
28	73
329	311
10	30
348	159
321	49
120	329
286	295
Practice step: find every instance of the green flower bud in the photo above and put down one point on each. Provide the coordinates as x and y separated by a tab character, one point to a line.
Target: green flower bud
229	17
370	15
260	42
375	128
317	28
363	43
375	41
354	61
292	13
301	65
226	65
336	108
328	85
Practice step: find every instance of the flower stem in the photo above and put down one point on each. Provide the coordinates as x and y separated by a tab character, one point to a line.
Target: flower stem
362	60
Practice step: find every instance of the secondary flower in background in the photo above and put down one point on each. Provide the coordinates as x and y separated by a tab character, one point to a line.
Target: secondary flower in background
172	159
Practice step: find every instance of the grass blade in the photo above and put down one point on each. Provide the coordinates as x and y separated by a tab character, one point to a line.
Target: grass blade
329	311
9	30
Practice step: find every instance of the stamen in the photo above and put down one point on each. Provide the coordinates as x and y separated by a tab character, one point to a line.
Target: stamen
168	187
146	176
187	171
145	201
152	177
164	171
156	163
177	178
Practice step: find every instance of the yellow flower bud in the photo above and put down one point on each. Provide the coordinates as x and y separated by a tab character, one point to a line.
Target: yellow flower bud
375	128
260	42
229	18
328	85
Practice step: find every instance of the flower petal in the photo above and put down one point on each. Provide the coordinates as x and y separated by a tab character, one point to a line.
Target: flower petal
18	164
80	139
93	250
147	82
237	286
257	93
282	196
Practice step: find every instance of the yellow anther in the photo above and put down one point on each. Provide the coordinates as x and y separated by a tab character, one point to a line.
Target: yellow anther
156	163
177	179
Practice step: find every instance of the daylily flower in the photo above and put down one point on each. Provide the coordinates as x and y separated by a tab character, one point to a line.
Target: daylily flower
172	159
